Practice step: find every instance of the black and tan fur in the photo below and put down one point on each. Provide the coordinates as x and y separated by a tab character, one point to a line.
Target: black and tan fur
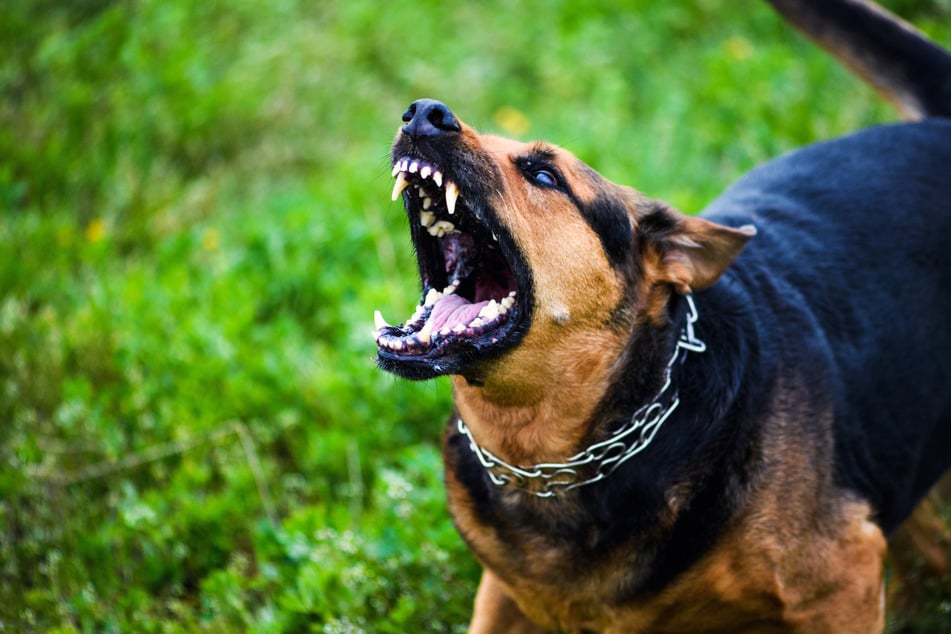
815	421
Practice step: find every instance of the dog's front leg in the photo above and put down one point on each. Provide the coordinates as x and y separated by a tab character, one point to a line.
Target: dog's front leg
496	613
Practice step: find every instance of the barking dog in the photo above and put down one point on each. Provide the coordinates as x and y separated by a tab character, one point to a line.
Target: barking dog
667	423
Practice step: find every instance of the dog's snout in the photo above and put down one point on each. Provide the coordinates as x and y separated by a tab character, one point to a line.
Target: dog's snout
428	117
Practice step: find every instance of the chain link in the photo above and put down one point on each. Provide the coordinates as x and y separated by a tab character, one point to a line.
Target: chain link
607	455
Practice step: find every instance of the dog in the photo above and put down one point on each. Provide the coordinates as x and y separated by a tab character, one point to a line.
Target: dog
672	423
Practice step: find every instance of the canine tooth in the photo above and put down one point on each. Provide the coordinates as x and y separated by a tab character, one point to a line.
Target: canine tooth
425	334
378	320
432	297
427	202
414	167
427	218
417	314
513	293
452	194
399	185
495	237
425	171
437	178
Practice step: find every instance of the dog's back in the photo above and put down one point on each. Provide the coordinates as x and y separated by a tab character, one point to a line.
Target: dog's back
873	212
855	275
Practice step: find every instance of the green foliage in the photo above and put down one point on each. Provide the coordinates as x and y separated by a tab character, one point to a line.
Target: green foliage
195	233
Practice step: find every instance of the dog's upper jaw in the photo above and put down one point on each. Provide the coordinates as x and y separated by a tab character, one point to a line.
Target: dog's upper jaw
473	277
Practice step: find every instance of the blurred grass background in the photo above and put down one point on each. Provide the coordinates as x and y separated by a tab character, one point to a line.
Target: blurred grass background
196	229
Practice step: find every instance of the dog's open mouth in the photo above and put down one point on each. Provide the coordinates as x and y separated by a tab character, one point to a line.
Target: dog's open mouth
470	290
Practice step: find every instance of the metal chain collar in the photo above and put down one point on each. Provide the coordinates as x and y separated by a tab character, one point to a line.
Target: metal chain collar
604	456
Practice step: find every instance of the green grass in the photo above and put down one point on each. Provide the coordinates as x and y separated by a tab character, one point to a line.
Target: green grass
196	230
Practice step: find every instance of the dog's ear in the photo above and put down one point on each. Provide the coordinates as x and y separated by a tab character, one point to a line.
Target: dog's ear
687	252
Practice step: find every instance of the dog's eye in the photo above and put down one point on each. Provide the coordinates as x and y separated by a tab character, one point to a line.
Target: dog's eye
541	173
545	177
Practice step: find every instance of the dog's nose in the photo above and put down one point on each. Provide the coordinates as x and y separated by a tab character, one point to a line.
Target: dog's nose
428	117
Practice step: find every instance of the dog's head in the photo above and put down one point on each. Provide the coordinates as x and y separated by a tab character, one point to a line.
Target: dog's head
528	256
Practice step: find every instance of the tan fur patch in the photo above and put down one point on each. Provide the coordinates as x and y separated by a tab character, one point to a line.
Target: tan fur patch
535	400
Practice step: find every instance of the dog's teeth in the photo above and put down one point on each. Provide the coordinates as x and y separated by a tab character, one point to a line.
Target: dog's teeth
513	293
378	320
459	328
393	343
432	297
427	202
452	194
396	170
490	311
414	167
476	323
437	178
404	165
441	228
425	171
453	286
425	334
507	302
420	191
399	185
495	237
417	315
427	218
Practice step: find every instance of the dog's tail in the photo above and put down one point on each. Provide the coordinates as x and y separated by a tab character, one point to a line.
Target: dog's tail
896	59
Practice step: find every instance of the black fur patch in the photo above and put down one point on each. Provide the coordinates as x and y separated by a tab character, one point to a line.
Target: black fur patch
608	218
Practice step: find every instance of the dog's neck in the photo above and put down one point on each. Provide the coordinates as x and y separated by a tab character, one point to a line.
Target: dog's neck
563	404
542	415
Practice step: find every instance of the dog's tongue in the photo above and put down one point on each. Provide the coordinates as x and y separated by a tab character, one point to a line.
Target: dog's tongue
452	310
